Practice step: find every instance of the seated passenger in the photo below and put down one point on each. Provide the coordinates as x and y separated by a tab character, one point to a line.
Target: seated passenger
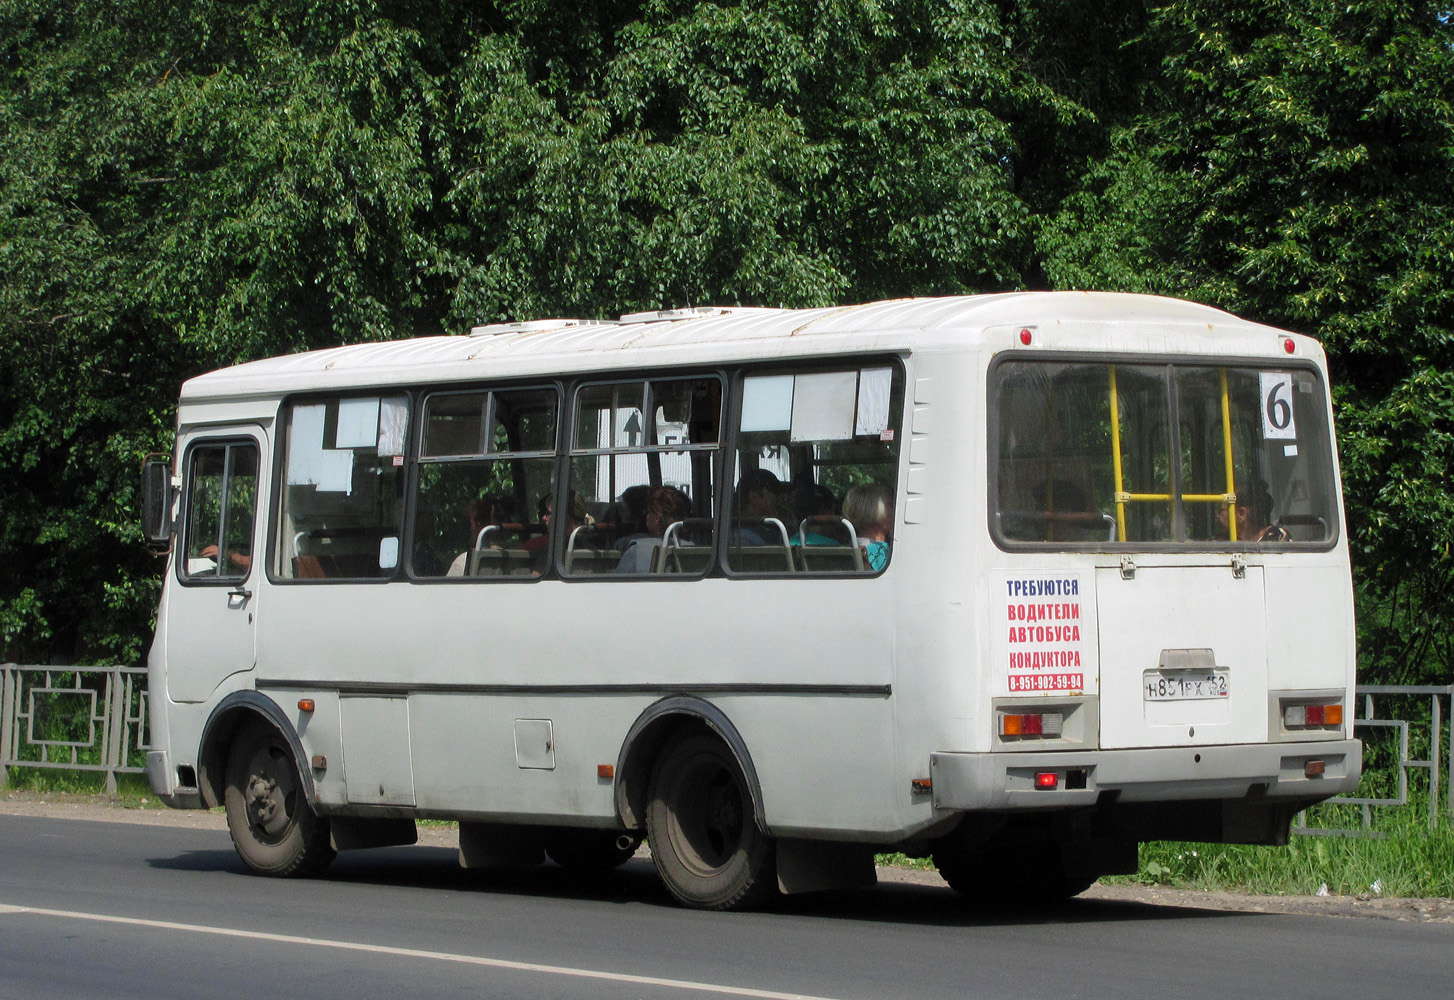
1069	516
760	495
480	515
665	505
870	509
1254	517
632	523
575	516
820	524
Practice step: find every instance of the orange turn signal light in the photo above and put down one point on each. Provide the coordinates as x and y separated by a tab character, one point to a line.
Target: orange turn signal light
1312	715
305	704
605	770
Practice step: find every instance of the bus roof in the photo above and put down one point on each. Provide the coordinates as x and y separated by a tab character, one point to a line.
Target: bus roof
717	335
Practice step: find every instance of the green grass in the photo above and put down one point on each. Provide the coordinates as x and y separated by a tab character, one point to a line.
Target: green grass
1409	861
132	790
903	861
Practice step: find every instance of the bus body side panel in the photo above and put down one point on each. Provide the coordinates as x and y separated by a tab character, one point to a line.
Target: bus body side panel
486	730
1310	626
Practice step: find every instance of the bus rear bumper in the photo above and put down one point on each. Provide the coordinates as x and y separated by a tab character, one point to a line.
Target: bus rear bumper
997	781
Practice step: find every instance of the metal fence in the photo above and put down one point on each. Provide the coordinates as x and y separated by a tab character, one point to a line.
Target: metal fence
95	719
73	718
1404	736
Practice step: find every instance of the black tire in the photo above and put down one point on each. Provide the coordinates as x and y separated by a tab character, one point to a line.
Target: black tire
275	831
699	822
587	851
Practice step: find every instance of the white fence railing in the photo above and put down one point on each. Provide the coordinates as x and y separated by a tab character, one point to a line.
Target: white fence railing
73	718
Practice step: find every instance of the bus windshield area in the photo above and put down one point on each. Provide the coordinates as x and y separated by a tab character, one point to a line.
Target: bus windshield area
1103	454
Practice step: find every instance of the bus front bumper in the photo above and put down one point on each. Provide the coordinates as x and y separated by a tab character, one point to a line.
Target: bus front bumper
995	781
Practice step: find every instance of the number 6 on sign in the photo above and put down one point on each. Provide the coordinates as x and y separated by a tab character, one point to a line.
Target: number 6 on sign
1277	420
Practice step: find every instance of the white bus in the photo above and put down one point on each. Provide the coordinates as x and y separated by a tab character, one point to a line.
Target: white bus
1013	581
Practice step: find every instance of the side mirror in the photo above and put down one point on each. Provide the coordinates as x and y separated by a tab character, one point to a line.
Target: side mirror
156	500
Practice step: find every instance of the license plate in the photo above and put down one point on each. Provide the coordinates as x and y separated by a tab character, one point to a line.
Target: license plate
1185	685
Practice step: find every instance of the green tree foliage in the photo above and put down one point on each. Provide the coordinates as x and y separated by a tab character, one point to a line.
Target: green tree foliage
187	186
1295	163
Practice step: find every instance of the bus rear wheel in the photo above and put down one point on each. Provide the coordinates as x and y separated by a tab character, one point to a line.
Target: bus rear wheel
275	831
699	823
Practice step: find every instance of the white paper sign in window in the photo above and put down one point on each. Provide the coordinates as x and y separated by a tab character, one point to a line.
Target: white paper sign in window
1277	417
874	386
358	423
393	426
823	406
767	403
305	445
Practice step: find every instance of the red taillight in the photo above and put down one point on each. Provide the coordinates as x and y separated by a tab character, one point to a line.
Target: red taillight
1049	724
1312	715
1047	779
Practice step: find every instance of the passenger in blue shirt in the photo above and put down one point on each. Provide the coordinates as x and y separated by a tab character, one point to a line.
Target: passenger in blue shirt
870	509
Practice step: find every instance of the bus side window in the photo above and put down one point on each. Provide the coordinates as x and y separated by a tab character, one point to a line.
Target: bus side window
816	471
630	440
342	509
486	485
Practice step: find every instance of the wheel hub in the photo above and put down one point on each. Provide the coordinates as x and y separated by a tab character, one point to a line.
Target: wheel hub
267	806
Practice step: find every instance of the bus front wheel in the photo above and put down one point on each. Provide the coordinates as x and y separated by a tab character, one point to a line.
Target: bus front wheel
699	823
273	828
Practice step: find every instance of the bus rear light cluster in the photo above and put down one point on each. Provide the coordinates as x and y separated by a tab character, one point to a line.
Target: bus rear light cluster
1043	724
1305	716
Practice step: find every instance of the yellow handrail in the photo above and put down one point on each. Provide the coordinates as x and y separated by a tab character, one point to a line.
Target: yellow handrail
1122	497
1227	452
1116	458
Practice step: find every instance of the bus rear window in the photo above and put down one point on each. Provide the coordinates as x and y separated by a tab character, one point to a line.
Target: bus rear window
1089	455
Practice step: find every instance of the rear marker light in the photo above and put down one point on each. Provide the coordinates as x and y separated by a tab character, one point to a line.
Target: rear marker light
1296	716
1047	779
1048	724
1288	345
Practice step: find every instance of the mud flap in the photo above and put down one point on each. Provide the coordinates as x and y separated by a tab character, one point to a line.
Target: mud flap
815	865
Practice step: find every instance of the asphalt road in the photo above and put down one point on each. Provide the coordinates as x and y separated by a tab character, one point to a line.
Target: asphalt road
92	910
